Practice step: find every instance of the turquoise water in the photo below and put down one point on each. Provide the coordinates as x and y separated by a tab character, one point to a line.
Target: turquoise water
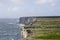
9	29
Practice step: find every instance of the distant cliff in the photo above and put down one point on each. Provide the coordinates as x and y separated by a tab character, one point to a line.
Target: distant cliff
28	20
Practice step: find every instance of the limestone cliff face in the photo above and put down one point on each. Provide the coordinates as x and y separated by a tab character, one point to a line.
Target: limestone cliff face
27	20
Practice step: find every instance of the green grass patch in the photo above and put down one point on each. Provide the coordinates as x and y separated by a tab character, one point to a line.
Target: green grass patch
48	36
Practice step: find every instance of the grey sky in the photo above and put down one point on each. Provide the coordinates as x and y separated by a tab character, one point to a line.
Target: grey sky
18	8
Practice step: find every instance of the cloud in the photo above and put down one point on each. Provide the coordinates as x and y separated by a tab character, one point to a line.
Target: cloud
45	1
41	1
13	9
17	1
53	2
1	4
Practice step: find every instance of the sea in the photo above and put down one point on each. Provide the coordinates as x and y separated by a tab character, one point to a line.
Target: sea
9	29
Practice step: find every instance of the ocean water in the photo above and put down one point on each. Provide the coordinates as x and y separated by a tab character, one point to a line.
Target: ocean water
9	29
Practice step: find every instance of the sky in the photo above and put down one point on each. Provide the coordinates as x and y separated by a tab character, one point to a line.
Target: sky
20	8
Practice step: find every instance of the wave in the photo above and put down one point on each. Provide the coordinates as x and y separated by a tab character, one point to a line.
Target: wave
10	23
12	39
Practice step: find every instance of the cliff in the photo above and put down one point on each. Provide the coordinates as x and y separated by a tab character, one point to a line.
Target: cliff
40	28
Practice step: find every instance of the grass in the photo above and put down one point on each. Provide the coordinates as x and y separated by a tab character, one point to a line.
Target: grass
48	36
47	30
45	34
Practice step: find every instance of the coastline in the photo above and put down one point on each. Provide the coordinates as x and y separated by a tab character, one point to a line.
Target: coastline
47	26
